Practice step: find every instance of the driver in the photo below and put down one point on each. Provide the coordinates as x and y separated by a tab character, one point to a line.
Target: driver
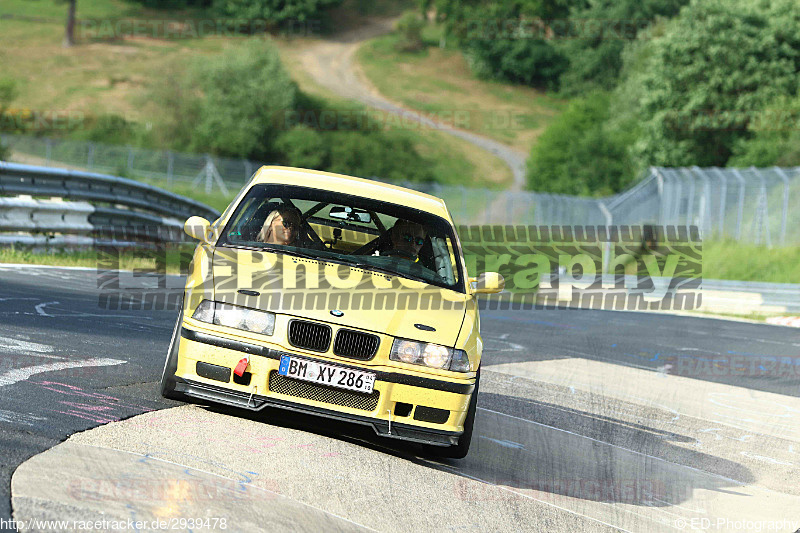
407	239
282	226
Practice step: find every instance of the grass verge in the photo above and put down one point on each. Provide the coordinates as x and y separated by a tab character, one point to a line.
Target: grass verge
90	258
749	262
439	82
114	75
721	260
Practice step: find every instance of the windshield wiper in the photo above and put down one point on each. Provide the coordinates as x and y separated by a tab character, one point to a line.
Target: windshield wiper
283	251
370	266
338	261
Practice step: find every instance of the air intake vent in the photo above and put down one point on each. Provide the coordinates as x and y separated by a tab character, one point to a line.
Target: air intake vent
355	344
431	414
309	335
310	391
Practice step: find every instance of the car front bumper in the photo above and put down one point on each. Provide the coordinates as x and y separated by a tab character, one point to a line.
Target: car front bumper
204	372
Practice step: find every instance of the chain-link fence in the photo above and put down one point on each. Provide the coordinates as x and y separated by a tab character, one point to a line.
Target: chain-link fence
205	171
753	205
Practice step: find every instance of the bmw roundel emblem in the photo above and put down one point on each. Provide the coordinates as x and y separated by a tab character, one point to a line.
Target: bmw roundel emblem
337	313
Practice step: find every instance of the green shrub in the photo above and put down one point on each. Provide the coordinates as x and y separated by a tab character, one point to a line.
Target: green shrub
500	40
596	35
111	129
8	92
387	155
533	62
278	12
175	4
577	154
303	147
246	93
409	28
775	139
717	64
180	102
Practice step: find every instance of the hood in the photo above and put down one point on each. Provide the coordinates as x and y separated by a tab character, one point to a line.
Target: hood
311	289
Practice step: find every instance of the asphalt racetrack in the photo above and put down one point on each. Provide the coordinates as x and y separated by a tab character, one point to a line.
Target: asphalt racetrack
587	421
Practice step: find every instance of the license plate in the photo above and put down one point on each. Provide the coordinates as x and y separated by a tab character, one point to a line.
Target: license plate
324	374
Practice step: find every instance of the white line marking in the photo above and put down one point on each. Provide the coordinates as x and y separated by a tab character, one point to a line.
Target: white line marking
40	308
717	436
21	374
19	266
765	459
505	443
16	266
12	345
20	418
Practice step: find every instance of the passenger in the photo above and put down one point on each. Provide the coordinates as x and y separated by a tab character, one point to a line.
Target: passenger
282	226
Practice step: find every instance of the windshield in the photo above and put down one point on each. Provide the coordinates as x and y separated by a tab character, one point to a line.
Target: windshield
347	229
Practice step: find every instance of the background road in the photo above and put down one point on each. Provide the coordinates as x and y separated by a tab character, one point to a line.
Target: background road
588	420
331	64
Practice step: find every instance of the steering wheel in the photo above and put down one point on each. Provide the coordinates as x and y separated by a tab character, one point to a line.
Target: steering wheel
400	253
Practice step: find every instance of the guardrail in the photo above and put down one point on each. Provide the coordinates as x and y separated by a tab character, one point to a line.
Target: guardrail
88	209
709	295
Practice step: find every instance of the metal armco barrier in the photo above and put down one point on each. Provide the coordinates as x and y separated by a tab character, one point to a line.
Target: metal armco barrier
101	209
710	295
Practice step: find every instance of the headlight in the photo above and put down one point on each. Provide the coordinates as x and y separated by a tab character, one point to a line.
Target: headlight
431	355
235	316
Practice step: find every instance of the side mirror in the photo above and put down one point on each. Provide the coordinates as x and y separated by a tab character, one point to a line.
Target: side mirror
198	228
488	283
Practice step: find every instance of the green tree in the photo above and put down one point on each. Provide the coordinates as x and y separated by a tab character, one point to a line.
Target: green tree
579	155
410	28
596	35
389	155
279	12
717	64
246	93
775	140
506	39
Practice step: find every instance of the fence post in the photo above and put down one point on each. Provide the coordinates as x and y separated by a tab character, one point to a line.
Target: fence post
785	212
90	156
464	204
690	203
660	188
170	166
763	206
722	201
209	174
609	222
678	200
248	170
48	151
705	206
740	216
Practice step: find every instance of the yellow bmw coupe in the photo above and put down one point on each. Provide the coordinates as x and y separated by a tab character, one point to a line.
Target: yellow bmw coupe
337	296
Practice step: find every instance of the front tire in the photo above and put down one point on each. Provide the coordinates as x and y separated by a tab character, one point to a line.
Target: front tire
460	450
168	381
